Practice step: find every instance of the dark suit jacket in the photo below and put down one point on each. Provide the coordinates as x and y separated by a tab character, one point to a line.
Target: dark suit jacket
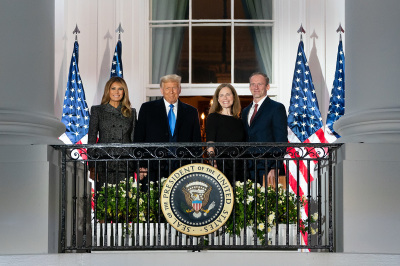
152	125
269	125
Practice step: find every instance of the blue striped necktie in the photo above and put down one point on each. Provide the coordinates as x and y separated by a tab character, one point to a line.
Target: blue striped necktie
171	119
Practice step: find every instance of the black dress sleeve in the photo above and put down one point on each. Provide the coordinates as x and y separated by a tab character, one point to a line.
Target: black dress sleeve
211	127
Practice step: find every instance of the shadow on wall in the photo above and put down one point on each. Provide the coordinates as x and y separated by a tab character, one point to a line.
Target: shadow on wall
62	83
318	79
105	69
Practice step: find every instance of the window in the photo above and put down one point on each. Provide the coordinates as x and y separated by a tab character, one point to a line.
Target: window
209	41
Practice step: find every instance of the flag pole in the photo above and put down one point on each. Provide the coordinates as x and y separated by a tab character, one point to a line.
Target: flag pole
119	30
340	30
301	31
76	32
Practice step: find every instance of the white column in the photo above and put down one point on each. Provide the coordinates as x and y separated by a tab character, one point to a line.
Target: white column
27	73
29	174
367	173
372	72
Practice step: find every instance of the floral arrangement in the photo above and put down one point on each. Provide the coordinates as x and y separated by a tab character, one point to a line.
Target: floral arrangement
112	200
274	206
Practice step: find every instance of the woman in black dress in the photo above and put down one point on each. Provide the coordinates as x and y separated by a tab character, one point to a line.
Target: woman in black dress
224	125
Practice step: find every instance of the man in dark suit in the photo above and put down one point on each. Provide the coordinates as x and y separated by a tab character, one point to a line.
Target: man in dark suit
167	120
265	120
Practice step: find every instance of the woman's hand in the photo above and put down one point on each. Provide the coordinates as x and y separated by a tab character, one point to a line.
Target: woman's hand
211	154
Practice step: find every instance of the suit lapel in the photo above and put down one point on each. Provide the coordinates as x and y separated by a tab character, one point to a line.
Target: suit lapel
261	109
180	114
163	113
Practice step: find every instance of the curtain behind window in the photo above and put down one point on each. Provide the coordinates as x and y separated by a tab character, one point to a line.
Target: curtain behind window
167	41
261	9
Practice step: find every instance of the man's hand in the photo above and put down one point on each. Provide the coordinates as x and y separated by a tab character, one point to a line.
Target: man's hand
142	173
270	178
91	176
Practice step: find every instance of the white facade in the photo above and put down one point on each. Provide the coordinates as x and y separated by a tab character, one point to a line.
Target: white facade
35	51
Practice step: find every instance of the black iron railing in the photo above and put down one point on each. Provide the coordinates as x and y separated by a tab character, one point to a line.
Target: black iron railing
291	210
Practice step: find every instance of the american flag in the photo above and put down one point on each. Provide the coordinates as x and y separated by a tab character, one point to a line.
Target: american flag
336	103
75	114
305	126
116	66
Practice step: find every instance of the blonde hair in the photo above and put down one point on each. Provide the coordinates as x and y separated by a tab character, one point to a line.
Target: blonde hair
170	78
126	104
217	108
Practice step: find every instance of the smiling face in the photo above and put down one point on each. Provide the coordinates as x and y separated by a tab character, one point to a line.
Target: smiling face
170	91
116	93
258	87
225	97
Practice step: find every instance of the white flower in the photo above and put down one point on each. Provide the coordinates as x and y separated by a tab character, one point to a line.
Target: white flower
313	232
258	185
262	189
315	216
269	229
250	199
271	217
130	194
249	191
261	226
280	186
280	202
141	201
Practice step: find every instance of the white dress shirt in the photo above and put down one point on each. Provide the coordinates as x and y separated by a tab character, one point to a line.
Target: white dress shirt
252	108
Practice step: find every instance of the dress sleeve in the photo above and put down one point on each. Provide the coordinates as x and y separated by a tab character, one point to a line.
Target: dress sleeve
93	125
211	127
134	119
93	129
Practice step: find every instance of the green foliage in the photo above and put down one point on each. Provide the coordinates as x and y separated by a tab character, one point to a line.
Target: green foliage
125	200
274	206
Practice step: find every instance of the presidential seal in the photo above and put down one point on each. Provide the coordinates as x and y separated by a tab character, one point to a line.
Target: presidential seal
197	199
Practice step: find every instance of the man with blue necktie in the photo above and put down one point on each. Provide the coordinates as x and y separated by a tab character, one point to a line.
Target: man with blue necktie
167	119
264	120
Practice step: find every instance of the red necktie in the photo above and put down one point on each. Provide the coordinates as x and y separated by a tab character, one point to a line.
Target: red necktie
254	113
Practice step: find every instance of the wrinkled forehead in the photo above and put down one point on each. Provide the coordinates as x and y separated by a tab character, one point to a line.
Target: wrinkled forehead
170	84
257	78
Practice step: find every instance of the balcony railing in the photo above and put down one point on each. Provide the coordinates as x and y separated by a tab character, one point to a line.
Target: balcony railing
290	211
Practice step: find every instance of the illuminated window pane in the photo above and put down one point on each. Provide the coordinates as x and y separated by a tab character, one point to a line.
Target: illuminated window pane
253	9
211	9
253	52
211	54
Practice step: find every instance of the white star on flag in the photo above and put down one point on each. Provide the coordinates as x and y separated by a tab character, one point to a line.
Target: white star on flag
305	126
74	111
116	66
